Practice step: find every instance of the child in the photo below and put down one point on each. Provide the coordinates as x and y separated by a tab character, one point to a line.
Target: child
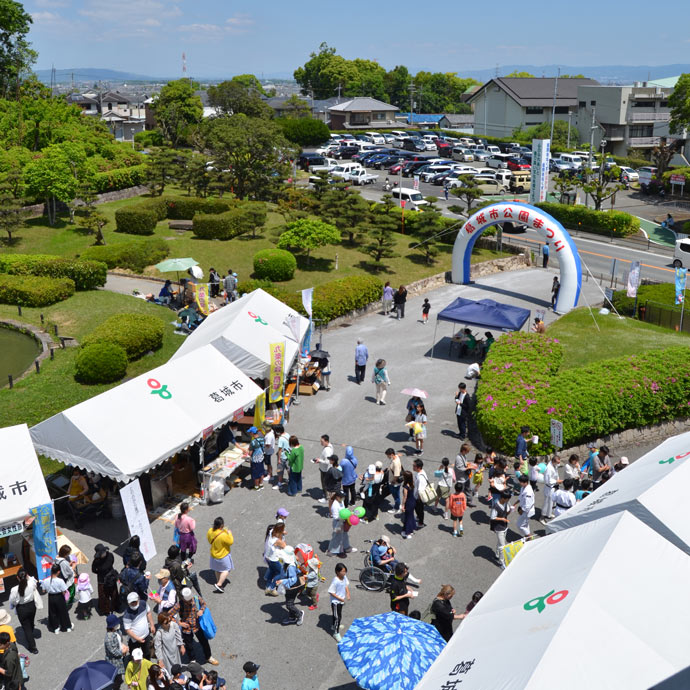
477	476
457	504
84	594
425	311
212	682
475	600
340	592
445	484
251	681
584	490
312	585
115	648
534	474
178	675
416	615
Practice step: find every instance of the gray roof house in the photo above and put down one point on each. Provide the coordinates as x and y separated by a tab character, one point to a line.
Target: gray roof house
362	113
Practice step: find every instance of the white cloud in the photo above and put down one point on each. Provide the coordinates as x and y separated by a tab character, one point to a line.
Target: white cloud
51	3
128	13
46	17
238	24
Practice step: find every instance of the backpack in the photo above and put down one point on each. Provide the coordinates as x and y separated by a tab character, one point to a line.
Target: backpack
110	579
303	552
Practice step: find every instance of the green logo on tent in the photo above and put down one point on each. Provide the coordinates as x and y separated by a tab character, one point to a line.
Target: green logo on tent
670	461
540	603
258	319
159	389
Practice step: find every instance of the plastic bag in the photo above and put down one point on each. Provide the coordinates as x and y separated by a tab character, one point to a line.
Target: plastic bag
216	491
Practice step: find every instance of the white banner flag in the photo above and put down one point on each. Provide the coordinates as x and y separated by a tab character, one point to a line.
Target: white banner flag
138	518
633	279
306	299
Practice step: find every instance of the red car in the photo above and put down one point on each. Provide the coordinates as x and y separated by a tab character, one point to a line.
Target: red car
443	147
395	169
521	164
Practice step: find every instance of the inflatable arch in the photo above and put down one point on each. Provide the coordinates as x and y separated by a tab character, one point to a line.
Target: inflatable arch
562	246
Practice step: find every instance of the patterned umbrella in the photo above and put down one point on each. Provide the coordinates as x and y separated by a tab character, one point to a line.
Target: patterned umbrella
389	651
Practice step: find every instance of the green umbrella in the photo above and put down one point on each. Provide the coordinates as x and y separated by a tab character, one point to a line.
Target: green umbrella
170	265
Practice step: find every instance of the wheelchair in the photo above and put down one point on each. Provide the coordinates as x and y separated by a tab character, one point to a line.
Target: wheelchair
372	577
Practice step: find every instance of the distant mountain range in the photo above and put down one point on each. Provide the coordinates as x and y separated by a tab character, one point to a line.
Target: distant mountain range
606	74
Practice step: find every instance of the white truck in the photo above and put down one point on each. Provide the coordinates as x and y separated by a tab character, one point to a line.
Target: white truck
360	176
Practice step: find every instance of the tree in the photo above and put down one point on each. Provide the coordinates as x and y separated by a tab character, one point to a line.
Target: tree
324	72
161	170
380	238
87	215
397	84
249	81
679	103
346	209
176	108
196	175
543	131
427	227
663	153
239	96
304	131
252	152
468	192
521	75
369	80
565	184
12	214
601	186
441	92
16	56
306	234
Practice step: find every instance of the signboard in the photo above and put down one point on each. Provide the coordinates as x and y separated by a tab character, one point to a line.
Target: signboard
306	299
416	182
12	528
275	379
138	518
678	179
609	294
681	277
541	155
556	433
633	279
45	538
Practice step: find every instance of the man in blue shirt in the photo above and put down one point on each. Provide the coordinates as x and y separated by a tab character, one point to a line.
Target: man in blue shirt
545	255
521	452
361	357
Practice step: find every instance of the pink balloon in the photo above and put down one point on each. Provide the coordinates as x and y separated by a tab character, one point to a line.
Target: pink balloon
353	520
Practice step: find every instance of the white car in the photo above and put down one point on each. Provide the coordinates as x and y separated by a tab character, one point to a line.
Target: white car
629	175
327	148
480	155
376	138
463	154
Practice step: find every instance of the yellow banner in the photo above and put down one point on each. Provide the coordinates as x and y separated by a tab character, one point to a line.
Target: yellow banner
201	297
260	410
511	550
275	381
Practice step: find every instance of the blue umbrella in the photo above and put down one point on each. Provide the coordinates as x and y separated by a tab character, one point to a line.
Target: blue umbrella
93	675
389	651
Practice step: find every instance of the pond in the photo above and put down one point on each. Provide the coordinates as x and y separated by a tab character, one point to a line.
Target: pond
17	352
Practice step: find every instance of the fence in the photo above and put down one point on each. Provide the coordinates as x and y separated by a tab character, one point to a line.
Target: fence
664	315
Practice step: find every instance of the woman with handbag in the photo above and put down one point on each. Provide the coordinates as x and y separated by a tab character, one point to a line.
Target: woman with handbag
67	570
55	587
221	540
191	610
381	379
25	598
185	526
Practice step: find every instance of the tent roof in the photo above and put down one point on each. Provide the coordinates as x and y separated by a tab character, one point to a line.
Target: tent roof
20	475
485	313
596	577
131	428
243	331
643	488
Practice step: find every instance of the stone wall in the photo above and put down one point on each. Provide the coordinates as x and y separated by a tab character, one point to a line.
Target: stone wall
38	210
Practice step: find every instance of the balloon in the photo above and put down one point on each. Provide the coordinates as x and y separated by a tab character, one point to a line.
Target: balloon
360	512
542	467
353	520
344	513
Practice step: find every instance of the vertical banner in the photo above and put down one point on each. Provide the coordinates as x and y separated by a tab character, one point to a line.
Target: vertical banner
201	297
633	279
292	321
306	299
260	410
45	538
137	517
275	382
306	343
681	277
541	155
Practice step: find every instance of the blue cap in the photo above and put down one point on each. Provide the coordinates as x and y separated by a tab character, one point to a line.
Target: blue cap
252	430
112	621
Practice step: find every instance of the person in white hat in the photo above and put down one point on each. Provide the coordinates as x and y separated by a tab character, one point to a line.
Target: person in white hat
138	624
293	582
137	671
191	608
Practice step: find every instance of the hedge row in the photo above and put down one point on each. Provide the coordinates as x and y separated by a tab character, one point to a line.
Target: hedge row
34	291
274	264
240	219
119	178
100	363
136	220
662	292
185	208
521	385
137	334
135	255
86	275
616	223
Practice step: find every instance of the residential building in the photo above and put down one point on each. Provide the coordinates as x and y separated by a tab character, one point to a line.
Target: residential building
505	103
318	108
363	113
125	115
461	123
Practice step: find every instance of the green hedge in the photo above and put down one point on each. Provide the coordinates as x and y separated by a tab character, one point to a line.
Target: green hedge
247	286
274	264
100	363
521	385
34	291
87	275
233	223
663	292
156	205
135	255
630	162
136	220
616	223
119	178
137	334
335	298
185	208
666	177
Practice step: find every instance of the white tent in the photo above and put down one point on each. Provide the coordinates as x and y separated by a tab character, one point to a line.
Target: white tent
22	486
131	428
603	605
243	331
648	489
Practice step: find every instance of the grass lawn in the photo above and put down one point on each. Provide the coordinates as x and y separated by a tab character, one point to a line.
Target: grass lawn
67	240
584	344
40	396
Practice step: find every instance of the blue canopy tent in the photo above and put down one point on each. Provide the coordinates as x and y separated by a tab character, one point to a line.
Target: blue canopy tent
485	313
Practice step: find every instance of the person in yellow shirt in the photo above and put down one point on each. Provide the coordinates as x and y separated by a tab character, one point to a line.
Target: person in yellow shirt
220	540
6	625
137	672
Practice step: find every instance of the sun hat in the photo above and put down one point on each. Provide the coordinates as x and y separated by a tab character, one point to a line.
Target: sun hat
624	460
83	578
372	469
163	573
252	430
187	594
287	555
386	539
5	617
379	465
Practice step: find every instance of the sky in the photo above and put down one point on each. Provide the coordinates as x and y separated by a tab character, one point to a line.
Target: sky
226	37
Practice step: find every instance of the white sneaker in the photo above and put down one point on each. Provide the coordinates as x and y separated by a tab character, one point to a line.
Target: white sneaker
322	500
414	580
275	487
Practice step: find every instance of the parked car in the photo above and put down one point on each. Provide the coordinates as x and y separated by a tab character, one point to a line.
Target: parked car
413	144
360	177
520	182
345	152
444	148
498	160
306	160
557	165
388	138
376	138
412	198
480	155
518	164
681	254
629	175
462	154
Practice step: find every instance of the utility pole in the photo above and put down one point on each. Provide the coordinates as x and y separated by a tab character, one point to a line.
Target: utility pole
411	89
569	116
553	109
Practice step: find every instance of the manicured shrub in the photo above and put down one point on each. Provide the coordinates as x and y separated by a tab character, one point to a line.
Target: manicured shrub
274	264
135	255
119	178
137	334
304	131
521	384
666	177
135	220
185	208
247	286
33	291
155	204
616	223
100	363
224	226
86	275
662	292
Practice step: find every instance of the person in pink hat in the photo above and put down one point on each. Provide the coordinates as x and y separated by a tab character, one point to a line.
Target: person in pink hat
84	596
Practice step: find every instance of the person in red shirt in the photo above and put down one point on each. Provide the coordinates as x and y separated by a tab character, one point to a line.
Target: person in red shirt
457	504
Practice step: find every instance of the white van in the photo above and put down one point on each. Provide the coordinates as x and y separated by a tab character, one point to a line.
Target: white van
500	160
412	198
377	138
399	136
681	255
493	150
571	159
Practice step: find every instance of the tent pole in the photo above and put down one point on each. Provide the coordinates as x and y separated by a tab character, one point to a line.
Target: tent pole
433	342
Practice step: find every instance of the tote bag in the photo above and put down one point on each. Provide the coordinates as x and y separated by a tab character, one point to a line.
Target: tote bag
207	624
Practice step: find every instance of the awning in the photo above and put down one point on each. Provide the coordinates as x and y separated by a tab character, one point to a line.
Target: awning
647	489
485	313
131	428
580	592
22	486
243	330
